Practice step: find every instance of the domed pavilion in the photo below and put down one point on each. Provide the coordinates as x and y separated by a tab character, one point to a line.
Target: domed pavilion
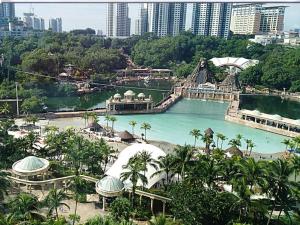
109	187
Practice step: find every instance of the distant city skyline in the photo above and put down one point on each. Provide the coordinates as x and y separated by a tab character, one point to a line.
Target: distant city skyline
81	16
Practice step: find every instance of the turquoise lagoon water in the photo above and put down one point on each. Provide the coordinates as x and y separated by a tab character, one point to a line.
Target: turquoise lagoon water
175	124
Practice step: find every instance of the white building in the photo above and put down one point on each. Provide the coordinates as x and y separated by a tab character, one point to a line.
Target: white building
55	25
245	18
211	19
33	22
266	39
167	18
257	19
118	22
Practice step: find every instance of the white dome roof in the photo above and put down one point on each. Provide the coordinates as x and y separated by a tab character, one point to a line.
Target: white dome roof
141	95
30	164
129	93
117	168
109	186
117	95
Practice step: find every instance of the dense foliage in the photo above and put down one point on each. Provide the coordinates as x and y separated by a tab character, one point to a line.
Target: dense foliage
279	66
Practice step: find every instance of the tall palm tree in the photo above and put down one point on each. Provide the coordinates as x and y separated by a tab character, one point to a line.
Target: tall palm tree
220	137
54	200
146	160
249	144
78	187
132	123
251	171
145	127
296	166
85	116
196	134
207	140
107	119
278	186
166	164
133	173
113	119
183	156
93	116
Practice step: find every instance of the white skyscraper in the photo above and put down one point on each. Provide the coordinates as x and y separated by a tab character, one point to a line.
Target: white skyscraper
167	18
33	22
118	22
55	25
211	19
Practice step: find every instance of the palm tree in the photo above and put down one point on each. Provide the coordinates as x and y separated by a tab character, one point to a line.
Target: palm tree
166	164
196	134
132	123
107	119
146	160
251	171
8	219
113	119
296	166
286	142
133	173
145	127
251	146
78	188
183	156
4	185
54	200
236	142
278	186
85	116
207	140
94	116
25	207
220	137
249	143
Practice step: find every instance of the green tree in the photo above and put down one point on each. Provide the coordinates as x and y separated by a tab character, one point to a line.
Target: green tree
196	134
132	123
145	127
54	200
121	209
133	173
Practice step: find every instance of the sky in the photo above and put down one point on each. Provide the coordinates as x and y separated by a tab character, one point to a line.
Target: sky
81	16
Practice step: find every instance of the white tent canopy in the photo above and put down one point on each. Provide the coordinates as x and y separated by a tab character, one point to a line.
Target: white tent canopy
241	63
117	168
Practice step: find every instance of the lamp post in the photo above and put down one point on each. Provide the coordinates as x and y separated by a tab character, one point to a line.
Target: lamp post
17	98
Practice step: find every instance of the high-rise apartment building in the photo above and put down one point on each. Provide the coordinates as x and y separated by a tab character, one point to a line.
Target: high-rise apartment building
167	18
141	24
272	19
33	22
55	25
211	19
118	22
7	10
257	19
245	18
